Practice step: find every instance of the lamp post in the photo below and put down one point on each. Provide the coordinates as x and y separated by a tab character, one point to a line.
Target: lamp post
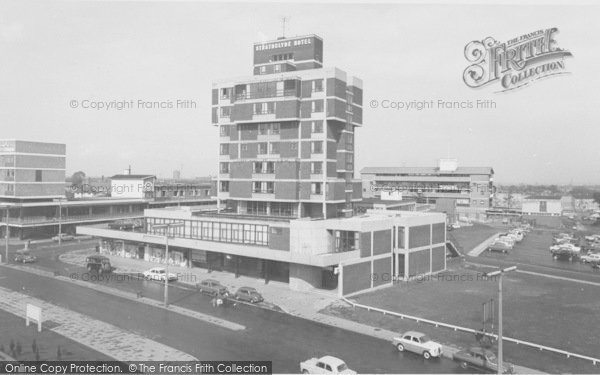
166	227
499	273
6	234
59	200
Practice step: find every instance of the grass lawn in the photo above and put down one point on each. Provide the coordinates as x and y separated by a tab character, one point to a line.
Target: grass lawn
550	312
12	328
467	238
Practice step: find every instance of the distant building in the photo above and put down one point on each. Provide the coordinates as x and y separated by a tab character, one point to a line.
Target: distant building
542	205
31	171
132	186
457	191
176	175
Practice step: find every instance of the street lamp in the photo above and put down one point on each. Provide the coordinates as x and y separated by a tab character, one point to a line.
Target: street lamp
499	273
59	200
6	234
166	227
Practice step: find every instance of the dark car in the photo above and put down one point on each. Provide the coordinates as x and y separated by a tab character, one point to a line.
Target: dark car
23	256
212	287
481	359
248	294
98	263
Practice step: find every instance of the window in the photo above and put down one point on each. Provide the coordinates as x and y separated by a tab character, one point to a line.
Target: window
277	68
275	128
264	108
315	188
225	111
224	186
274	148
257	167
38	175
263	129
224	131
263	69
256	187
317	85
224	148
317	147
294	146
316	167
317	106
244	147
346	240
225	93
270	167
224	168
262	148
317	127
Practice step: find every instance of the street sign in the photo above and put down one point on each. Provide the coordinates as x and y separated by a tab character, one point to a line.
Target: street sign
34	313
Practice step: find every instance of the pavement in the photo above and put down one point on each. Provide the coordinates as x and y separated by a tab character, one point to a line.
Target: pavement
482	246
120	344
301	304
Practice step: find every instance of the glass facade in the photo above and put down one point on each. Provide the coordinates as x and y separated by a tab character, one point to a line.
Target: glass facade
249	234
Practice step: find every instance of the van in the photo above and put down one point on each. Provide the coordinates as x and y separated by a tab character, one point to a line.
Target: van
98	263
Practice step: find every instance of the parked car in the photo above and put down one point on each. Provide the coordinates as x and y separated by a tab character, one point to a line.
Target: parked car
98	263
325	365
419	343
159	274
212	287
248	294
23	256
481	360
63	237
501	246
589	258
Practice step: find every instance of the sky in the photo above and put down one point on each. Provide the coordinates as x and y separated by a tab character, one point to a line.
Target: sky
59	55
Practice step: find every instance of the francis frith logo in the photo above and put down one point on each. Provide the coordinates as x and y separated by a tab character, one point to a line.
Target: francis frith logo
515	63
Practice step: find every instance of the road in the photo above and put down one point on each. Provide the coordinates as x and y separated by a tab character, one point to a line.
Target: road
270	335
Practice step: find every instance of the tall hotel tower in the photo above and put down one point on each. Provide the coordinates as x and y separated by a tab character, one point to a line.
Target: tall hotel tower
287	134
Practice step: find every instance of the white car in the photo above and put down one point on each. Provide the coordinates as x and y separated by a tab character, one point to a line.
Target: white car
159	273
325	365
589	258
419	343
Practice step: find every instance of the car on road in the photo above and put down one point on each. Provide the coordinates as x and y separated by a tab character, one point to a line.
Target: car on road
565	251
212	287
23	256
325	365
63	237
481	359
590	258
419	343
98	263
248	294
501	246
159	274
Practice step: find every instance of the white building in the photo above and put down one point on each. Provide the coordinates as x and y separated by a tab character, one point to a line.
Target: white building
542	205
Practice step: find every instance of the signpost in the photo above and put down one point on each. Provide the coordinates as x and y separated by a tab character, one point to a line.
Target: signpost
34	313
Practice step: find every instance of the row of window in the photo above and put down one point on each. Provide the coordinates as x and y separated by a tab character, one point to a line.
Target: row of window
284	209
268	167
268	187
250	234
264	148
268	108
274	129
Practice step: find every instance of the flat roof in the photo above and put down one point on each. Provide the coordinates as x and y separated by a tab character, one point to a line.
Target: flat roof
425	170
131	176
544	197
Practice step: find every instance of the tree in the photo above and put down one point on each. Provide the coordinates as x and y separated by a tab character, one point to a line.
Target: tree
78	178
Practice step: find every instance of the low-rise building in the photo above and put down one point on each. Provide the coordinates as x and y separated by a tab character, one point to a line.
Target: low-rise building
542	205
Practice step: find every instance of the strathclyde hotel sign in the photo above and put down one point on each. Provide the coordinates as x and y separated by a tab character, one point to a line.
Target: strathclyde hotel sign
284	43
515	63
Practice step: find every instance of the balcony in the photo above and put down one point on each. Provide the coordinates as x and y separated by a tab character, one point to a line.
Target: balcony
265	95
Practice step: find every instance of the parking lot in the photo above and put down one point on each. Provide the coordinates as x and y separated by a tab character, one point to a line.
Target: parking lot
534	250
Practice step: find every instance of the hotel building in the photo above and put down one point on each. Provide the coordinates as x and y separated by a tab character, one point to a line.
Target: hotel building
286	188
